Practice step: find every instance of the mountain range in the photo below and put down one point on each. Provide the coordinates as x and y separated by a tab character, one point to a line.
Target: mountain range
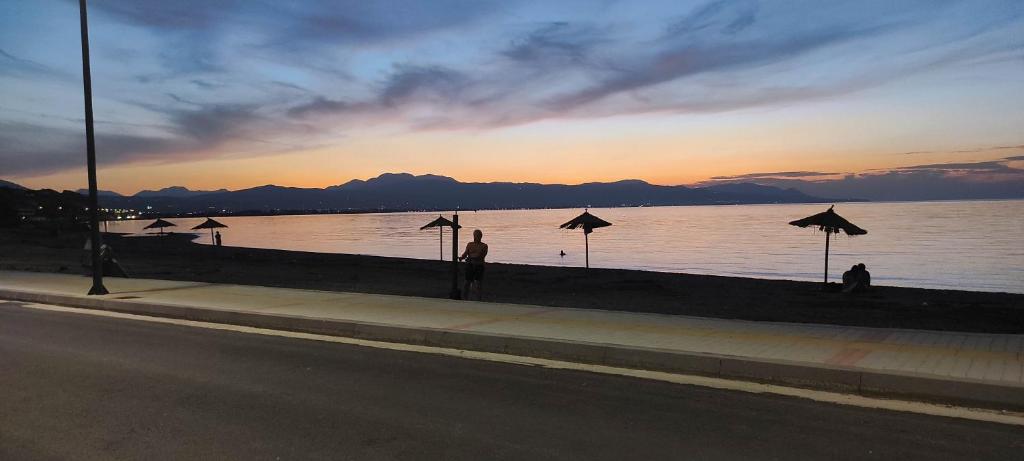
10	185
173	191
403	191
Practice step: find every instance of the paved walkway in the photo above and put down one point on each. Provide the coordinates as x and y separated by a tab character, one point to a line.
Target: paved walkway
993	358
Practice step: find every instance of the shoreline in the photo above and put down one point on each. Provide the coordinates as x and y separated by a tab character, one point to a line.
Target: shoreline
176	257
832	280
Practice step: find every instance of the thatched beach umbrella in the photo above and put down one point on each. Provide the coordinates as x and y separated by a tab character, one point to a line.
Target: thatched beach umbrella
831	223
159	224
588	222
440	223
210	224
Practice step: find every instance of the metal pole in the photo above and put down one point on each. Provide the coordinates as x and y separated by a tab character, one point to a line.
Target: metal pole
586	246
455	293
440	242
827	235
90	143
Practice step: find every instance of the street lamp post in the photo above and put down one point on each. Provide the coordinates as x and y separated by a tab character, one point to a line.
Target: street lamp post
90	142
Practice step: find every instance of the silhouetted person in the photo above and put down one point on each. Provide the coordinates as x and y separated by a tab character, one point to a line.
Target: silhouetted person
856	279
216	238
561	253
111	267
476	252
864	277
849	277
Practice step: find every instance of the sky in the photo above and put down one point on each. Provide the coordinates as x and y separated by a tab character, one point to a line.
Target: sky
213	94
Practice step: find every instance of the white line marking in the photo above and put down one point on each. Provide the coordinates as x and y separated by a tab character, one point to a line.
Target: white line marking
976	414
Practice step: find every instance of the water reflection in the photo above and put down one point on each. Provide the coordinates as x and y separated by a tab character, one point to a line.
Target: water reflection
964	245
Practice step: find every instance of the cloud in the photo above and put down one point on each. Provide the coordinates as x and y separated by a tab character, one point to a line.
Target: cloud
964	151
414	82
38	149
319	22
189	134
943	181
212	124
176	15
780	174
14	65
406	85
319	106
556	43
676	63
723	16
995	166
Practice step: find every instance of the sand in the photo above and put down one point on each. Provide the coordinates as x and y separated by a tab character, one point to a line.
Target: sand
175	257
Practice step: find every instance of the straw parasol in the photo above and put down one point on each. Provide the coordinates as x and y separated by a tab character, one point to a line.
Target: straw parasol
831	223
210	224
440	223
159	224
588	222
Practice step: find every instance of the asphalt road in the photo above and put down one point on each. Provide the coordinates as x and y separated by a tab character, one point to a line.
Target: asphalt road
84	387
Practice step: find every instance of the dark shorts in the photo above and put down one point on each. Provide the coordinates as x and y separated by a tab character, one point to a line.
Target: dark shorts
474	272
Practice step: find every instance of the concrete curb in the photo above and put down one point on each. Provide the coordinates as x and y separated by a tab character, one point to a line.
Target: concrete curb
847	380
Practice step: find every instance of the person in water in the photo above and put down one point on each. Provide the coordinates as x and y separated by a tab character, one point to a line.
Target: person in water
476	252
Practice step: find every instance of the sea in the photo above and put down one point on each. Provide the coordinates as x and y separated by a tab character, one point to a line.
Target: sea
963	245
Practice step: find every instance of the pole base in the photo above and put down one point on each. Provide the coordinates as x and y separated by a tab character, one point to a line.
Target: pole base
98	290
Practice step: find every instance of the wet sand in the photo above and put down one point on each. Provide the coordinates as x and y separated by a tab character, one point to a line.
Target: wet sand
175	257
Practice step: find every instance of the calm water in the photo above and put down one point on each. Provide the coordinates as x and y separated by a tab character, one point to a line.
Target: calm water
963	245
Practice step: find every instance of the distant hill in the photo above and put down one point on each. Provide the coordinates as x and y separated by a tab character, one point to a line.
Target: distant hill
11	185
100	193
45	208
403	191
175	191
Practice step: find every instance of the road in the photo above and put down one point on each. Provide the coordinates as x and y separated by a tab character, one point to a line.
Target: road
76	386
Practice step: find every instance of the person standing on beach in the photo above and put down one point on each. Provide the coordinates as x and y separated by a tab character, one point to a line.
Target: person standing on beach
216	238
476	252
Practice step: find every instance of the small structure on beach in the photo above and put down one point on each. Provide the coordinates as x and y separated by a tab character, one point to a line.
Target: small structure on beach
160	224
588	222
440	223
210	224
831	223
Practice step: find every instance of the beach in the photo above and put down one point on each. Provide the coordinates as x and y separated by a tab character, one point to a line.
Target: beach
176	257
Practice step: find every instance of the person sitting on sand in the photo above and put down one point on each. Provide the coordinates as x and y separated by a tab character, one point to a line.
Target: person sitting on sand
476	252
111	267
864	277
849	277
856	279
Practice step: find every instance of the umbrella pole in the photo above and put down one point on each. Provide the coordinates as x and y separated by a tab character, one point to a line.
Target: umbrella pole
440	241
455	293
827	236
213	241
586	246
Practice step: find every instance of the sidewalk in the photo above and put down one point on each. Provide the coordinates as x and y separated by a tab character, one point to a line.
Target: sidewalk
970	368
